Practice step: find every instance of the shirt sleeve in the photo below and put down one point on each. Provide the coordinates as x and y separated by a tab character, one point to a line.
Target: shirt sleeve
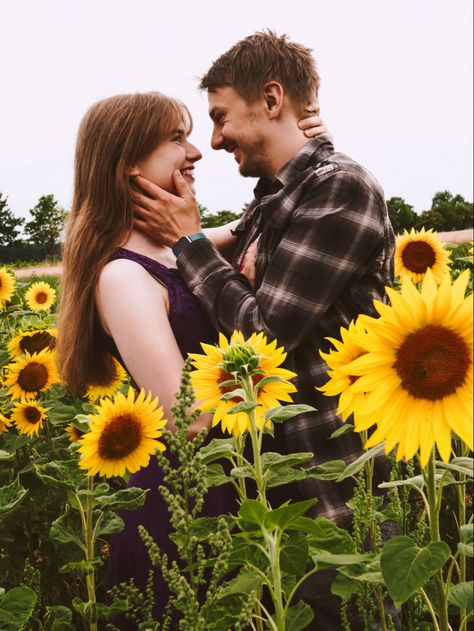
330	238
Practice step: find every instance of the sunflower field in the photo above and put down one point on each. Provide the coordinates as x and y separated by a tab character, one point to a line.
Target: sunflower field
404	383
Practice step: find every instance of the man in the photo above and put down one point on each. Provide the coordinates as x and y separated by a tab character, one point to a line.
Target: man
324	243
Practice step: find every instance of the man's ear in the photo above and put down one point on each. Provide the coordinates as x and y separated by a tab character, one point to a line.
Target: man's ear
273	94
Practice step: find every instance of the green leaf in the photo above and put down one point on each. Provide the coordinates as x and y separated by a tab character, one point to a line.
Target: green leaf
368	572
110	523
217	448
460	465
466	545
6	455
282	413
353	468
273	461
406	567
417	481
16	607
61	474
345	587
294	554
93	611
285	476
325	535
11	496
340	431
252	512
298	617
283	516
244	406
60	618
461	596
243	583
338	560
329	470
67	529
242	472
215	475
233	394
83	567
61	414
128	499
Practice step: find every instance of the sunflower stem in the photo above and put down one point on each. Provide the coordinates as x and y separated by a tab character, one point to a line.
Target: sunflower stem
89	540
257	462
433	515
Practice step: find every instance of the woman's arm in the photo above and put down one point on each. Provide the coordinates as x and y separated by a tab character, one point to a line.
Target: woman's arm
133	308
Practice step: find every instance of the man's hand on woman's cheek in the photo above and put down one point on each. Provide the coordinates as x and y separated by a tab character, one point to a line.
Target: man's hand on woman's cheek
165	217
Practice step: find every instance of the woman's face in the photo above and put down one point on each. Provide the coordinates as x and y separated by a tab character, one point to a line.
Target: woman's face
174	153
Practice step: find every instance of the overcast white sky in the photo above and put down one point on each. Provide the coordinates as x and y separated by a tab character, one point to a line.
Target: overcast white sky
396	84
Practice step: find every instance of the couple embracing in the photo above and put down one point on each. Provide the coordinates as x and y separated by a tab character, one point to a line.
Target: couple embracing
143	283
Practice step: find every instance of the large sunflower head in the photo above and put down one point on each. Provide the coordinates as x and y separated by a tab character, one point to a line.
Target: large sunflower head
418	368
40	296
345	351
98	391
123	434
4	423
31	374
7	285
32	342
419	251
218	371
28	417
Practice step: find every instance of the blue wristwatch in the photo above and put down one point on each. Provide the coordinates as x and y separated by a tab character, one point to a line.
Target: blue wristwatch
182	243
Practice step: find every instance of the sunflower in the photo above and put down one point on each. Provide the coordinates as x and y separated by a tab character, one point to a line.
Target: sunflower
74	434
344	352
4	423
32	342
123	434
31	374
40	296
254	358
97	391
28	417
417	252
7	285
417	370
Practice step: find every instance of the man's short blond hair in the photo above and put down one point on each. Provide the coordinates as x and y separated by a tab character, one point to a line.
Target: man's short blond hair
263	57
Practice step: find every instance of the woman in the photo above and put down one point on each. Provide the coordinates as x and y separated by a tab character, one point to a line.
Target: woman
122	296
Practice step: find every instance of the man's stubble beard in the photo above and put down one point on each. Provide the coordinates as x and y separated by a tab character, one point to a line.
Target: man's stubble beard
254	161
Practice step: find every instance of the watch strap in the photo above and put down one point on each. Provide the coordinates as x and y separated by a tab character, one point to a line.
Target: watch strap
183	243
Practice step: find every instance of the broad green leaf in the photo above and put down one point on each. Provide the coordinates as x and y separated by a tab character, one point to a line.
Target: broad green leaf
268	380
345	587
61	414
253	512
462	595
460	465
60	618
61	474
368	572
67	529
217	448
244	406
338	560
12	442
340	431
299	617
329	470
92	612
353	468
243	583
466	545
129	499
274	461
283	516
406	567
325	535
285	476
16	606
233	394
242	472
83	567
417	481
6	455
224	612
11	496
282	413
215	475
294	554
203	528
109	524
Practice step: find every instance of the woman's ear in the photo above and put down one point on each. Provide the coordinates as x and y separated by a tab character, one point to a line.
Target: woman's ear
133	170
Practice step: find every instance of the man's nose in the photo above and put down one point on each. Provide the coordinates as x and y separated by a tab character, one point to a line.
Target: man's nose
217	139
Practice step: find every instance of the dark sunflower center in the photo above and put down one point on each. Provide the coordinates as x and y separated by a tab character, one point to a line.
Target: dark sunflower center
41	297
33	377
37	342
120	437
226	376
432	362
418	256
32	415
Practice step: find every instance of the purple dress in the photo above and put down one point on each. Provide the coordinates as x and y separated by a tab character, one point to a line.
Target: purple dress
128	555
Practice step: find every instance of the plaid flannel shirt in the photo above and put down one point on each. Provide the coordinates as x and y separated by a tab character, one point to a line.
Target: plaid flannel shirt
325	252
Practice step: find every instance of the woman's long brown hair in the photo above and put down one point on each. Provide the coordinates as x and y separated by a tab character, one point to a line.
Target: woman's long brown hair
114	134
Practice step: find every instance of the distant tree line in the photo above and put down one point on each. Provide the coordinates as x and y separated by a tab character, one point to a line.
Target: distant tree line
40	238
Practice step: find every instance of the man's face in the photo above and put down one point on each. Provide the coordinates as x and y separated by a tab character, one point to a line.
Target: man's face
238	130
